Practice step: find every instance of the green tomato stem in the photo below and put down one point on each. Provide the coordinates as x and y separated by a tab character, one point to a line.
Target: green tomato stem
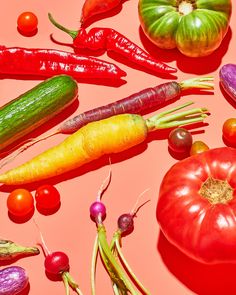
115	270
164	120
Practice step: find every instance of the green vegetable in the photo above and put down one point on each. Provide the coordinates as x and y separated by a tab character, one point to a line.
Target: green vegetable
35	107
11	250
195	27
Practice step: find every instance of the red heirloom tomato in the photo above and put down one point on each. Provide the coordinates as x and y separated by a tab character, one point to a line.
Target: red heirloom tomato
196	209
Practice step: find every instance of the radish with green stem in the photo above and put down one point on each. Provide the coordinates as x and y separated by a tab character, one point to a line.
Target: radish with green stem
57	263
125	226
122	279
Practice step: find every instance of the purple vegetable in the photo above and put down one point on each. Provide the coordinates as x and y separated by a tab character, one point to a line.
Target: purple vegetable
228	79
13	280
97	209
126	223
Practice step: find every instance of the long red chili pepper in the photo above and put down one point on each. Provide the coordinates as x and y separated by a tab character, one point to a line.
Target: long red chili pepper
49	62
111	40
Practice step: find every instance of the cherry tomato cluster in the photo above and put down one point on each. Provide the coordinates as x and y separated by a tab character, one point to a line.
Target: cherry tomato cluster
21	202
180	140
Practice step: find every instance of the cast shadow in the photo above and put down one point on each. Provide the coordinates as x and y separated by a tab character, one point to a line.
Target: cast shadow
193	65
202	279
227	97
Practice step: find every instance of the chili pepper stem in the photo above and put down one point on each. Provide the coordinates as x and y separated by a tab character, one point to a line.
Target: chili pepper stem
198	82
164	120
72	33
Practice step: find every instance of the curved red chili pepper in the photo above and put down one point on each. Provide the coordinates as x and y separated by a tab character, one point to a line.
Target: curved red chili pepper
111	40
49	62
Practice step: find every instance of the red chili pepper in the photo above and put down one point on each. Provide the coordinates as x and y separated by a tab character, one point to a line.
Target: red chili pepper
111	40
49	62
94	7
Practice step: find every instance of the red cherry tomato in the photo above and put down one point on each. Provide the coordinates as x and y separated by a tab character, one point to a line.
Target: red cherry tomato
180	140
27	22
20	202
47	197
56	263
229	131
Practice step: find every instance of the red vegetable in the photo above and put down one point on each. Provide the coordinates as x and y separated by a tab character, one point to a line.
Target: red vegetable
56	263
180	140
229	131
50	62
20	202
47	197
111	40
93	7
196	209
27	22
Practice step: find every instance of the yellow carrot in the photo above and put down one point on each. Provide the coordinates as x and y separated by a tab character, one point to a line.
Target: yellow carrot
111	135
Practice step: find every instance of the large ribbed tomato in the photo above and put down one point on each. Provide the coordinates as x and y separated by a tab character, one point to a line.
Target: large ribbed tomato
196	209
195	27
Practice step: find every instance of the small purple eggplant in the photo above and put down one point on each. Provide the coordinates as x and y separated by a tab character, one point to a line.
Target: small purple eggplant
13	279
228	79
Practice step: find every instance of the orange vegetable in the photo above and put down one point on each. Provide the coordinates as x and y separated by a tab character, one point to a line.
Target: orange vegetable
111	135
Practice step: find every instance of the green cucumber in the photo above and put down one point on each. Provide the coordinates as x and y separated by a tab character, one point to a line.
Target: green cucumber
35	107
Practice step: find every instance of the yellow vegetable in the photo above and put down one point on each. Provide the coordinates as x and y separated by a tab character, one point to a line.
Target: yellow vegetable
111	135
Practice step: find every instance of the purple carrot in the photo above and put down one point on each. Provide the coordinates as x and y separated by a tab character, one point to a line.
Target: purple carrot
136	103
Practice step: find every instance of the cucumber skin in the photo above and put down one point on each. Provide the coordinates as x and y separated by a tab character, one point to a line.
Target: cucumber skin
35	107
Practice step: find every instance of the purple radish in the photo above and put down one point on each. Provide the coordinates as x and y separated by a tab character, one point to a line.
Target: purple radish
228	79
13	280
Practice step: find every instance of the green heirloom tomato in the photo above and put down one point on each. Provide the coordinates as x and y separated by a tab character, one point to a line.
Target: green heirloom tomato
195	27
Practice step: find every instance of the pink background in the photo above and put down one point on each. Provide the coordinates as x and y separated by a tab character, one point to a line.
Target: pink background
161	268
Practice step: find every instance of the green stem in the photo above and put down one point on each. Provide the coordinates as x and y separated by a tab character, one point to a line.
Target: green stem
116	272
93	265
68	280
199	82
116	235
164	120
66	283
130	271
72	33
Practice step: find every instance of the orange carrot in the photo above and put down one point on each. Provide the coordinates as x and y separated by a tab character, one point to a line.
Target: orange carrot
111	135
